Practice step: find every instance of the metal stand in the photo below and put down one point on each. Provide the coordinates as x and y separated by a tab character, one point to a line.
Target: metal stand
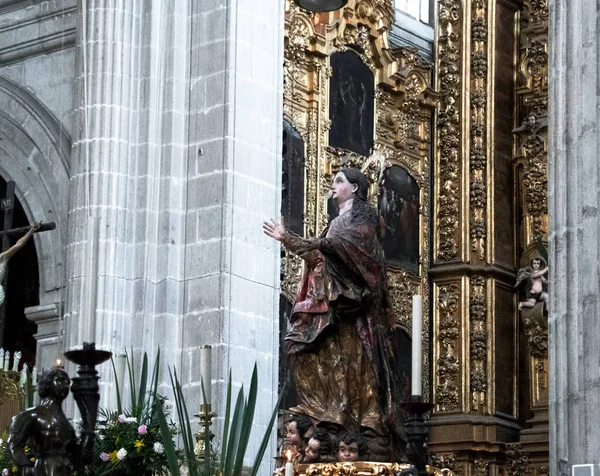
86	393
417	432
205	435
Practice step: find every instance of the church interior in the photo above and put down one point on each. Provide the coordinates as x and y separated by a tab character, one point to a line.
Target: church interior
387	208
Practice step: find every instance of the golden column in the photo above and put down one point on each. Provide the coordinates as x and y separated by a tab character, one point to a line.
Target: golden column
475	327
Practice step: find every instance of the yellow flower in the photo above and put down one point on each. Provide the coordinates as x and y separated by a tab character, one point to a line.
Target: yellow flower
139	444
32	460
15	469
113	456
27	449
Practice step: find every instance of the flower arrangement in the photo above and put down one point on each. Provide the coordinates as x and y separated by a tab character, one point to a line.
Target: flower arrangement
129	441
128	445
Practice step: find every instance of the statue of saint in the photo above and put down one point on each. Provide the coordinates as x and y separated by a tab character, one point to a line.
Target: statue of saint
340	331
9	253
46	429
536	283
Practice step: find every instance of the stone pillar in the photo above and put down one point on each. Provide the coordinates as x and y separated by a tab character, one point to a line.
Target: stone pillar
574	332
232	269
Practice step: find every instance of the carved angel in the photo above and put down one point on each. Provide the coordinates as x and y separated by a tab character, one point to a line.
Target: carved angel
536	290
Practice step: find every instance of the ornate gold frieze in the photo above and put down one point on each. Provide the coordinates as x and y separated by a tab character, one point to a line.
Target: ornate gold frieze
359	468
444	460
447	396
449	130
479	339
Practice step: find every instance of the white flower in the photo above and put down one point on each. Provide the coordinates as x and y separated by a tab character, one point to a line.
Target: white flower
168	403
159	448
131	419
122	418
121	454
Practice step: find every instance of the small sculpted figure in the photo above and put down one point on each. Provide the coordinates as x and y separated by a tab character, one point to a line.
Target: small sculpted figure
9	253
350	447
46	429
318	449
536	283
298	431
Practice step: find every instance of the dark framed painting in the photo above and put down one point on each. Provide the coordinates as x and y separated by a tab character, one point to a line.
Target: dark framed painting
351	103
292	179
399	206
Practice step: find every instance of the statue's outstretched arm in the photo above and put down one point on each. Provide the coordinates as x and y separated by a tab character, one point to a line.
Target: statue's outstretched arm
8	254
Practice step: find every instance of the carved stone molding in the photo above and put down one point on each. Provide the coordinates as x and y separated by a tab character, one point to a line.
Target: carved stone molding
444	460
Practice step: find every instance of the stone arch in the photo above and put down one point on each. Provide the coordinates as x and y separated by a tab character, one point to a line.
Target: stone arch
34	152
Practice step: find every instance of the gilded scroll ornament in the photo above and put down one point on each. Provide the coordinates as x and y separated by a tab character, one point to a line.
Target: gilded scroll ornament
448	370
481	468
449	84
444	460
479	337
517	461
478	155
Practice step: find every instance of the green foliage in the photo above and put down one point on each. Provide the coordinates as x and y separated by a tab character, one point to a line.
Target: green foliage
236	434
130	441
542	249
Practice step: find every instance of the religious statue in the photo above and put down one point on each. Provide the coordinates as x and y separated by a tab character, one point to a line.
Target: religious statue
46	429
318	449
9	253
535	291
339	341
350	447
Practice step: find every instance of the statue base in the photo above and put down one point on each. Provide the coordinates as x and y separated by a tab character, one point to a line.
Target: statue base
360	468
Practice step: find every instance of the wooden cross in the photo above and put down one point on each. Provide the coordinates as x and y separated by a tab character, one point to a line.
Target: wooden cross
7	204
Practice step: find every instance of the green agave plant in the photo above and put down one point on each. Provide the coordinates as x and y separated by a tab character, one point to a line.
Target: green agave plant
235	438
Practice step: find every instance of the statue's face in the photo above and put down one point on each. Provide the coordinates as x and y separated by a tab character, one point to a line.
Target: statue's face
292	435
341	189
61	385
348	452
535	263
311	454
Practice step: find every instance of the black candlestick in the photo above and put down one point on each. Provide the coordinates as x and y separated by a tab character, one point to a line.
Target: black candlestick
417	432
86	393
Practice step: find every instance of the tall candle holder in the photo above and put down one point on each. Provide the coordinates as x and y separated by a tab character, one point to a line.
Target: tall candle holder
417	432
205	435
86	393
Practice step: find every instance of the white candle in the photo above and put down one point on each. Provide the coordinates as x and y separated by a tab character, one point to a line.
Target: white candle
16	360
23	379
289	466
205	372
120	362
6	361
91	298
34	376
2	357
417	327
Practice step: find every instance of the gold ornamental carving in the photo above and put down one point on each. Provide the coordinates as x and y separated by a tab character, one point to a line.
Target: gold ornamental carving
448	364
481	468
359	468
449	129
517	463
478	145
479	339
444	460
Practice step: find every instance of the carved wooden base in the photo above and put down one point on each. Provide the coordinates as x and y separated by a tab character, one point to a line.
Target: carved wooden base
359	468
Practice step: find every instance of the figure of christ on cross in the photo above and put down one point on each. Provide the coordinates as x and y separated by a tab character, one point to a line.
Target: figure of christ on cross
7	205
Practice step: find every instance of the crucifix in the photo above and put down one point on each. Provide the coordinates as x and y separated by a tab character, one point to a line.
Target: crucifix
7	205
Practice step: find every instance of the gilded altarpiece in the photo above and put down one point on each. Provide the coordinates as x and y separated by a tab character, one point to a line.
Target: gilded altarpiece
402	118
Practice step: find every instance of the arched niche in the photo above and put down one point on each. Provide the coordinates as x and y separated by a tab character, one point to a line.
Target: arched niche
399	206
34	153
351	103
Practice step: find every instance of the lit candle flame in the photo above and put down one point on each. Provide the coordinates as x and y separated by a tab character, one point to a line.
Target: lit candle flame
289	455
58	362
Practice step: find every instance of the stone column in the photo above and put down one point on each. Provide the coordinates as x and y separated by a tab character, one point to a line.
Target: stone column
574	329
232	269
